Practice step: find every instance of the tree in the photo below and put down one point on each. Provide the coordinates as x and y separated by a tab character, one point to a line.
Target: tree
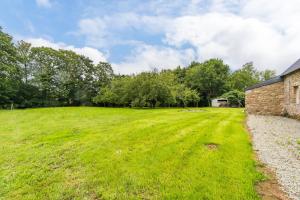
71	77
99	77
244	77
180	74
9	70
267	74
24	54
235	98
45	65
103	73
106	96
42	76
148	89
185	96
208	78
116	93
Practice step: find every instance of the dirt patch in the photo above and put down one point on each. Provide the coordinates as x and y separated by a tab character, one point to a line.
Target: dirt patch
269	189
212	146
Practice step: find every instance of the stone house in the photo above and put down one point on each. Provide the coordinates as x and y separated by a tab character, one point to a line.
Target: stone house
277	96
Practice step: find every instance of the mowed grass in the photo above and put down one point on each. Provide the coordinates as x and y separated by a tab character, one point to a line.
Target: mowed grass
120	153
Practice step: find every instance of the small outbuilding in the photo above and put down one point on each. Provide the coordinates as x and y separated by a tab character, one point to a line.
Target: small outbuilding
219	102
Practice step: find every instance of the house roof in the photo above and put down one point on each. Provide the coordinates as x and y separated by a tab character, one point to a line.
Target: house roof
292	68
264	83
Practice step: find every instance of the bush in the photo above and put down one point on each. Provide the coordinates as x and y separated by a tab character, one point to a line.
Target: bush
235	98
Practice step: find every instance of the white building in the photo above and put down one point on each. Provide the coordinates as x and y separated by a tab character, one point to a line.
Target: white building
219	102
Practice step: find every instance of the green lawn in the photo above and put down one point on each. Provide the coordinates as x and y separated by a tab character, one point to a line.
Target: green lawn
116	153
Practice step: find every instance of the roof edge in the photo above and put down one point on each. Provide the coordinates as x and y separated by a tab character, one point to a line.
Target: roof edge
265	83
294	67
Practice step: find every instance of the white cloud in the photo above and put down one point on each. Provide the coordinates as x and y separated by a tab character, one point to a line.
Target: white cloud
147	57
107	31
267	35
44	3
94	30
237	31
230	37
92	53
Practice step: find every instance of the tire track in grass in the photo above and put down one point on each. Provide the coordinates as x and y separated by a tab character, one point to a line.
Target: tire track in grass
183	161
142	155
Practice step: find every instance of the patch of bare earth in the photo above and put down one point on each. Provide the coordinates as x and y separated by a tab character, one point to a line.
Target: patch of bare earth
270	189
212	146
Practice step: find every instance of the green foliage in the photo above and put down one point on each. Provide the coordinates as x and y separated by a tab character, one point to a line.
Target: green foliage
9	70
267	74
235	98
117	93
24	55
208	78
244	77
185	96
247	76
42	76
103	73
148	89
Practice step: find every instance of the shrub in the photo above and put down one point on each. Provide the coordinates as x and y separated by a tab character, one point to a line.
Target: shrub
235	98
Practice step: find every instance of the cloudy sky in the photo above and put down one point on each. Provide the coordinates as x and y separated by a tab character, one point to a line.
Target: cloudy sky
137	35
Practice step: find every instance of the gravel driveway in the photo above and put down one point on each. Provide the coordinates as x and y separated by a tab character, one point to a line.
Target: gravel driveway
277	142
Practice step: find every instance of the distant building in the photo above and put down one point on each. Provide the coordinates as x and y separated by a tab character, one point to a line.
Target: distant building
219	102
277	96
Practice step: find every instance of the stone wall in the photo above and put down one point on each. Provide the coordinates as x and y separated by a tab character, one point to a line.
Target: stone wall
291	82
266	100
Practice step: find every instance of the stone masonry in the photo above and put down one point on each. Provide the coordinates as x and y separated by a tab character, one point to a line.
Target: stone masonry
277	96
291	84
266	100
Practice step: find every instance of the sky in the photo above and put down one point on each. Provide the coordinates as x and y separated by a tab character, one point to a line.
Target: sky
135	35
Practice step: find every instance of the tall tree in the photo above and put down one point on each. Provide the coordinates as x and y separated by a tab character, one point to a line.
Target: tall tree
103	73
267	74
208	78
45	65
244	77
70	77
9	70
24	54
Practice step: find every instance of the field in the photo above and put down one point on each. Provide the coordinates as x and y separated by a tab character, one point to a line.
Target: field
120	153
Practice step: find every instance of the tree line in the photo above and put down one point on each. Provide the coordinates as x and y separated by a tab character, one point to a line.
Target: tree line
42	77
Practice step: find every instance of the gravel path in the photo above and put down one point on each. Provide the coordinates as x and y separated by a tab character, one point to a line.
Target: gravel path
277	142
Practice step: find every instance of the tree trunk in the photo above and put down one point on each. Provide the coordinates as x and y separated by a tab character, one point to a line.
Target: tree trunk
208	101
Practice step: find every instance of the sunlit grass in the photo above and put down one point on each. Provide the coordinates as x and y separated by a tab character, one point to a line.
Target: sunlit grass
115	153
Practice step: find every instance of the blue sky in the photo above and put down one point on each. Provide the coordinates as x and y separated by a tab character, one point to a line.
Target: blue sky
137	35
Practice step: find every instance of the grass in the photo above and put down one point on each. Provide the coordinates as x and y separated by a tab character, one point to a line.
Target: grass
119	153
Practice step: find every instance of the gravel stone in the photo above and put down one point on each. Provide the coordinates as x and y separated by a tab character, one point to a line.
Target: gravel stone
276	140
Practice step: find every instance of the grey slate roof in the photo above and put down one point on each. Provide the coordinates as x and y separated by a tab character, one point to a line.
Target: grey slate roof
292	68
264	83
